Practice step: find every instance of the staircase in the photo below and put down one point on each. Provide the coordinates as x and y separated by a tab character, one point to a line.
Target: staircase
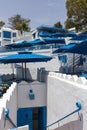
73	125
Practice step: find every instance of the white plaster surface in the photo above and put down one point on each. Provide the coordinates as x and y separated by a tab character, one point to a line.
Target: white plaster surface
39	90
9	101
73	125
62	95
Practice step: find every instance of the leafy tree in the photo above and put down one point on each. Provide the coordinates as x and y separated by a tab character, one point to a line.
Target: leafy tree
58	25
77	14
2	24
19	23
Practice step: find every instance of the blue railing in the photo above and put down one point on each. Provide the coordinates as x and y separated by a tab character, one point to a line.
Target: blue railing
79	107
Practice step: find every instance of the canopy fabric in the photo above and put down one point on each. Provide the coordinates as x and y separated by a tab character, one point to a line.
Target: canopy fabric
46	41
41	41
26	43
71	34
19	58
80	48
51	29
54	40
79	38
56	34
37	42
64	48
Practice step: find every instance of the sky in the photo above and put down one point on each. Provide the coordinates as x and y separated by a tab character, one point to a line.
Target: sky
41	12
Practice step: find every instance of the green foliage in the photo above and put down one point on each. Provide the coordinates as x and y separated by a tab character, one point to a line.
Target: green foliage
19	23
77	14
2	24
58	24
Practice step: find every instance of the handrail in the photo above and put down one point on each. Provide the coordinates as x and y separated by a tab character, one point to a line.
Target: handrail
79	106
6	116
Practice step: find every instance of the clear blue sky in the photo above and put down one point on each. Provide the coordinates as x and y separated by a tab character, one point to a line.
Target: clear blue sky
41	12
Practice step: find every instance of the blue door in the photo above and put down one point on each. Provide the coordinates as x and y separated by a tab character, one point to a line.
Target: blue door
42	118
24	117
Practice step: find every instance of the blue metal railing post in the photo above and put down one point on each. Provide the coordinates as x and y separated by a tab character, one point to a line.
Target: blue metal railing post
79	107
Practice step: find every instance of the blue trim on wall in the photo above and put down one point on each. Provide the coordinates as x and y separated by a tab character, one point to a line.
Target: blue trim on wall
42	118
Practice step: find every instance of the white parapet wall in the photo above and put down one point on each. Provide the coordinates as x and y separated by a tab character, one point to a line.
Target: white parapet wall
9	101
63	91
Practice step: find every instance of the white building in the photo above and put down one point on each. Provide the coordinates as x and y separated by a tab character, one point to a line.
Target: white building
7	36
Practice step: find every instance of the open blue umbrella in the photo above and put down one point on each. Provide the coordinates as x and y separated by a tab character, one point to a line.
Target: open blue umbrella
80	37
19	44
25	57
80	48
51	29
54	40
19	58
64	48
22	44
71	34
44	41
56	34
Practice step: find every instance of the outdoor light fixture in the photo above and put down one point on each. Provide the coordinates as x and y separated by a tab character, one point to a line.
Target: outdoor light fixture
31	95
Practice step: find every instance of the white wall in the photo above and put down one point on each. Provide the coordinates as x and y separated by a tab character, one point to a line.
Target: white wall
9	101
63	91
5	69
39	89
